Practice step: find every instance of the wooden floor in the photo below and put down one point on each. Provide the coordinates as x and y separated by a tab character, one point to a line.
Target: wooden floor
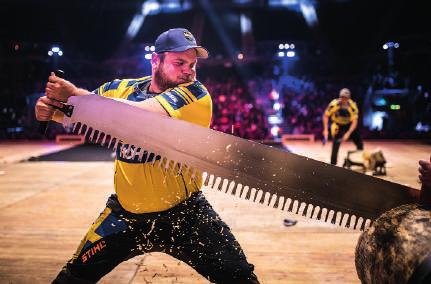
46	208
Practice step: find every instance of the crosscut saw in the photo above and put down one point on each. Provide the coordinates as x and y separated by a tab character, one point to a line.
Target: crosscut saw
239	167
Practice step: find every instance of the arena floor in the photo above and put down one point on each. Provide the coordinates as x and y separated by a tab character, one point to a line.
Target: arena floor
47	207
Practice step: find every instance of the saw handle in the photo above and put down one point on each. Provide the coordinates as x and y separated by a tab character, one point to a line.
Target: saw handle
43	126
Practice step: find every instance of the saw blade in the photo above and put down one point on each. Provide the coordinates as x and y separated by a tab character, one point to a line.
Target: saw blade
239	167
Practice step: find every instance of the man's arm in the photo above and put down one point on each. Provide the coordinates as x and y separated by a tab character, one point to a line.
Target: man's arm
60	90
325	126
150	104
44	109
352	128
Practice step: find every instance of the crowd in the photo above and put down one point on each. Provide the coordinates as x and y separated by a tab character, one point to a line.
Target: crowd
241	107
235	110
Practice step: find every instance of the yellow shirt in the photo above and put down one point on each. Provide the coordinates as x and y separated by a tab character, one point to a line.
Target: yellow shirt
145	187
341	115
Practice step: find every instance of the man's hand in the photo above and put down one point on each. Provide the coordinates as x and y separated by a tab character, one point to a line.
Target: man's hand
44	109
59	89
346	137
325	134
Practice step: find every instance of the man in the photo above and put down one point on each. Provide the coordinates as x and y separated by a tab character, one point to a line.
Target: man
344	116
425	179
153	210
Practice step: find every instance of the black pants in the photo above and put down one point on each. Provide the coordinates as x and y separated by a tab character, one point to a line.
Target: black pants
342	129
191	231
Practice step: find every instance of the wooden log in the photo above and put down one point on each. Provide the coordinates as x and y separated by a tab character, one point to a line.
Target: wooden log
397	247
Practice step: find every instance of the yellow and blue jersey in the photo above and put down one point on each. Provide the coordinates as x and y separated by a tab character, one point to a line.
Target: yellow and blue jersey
342	115
144	187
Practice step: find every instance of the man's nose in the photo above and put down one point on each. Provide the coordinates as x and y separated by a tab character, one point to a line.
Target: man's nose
187	70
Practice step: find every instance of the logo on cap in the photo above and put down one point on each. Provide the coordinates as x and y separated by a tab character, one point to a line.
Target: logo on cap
188	35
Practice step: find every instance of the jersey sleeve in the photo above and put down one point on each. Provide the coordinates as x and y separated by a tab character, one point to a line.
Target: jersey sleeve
190	102
108	89
354	111
330	109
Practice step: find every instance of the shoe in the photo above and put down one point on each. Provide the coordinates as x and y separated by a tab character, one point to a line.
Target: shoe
289	222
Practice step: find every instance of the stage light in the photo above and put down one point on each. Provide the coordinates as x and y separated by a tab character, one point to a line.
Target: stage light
275	130
377	120
274	95
55	50
292	46
148	56
274	119
280	54
286	46
281	46
396	45
147	48
385	46
240	56
276	106
290	54
395	107
152	48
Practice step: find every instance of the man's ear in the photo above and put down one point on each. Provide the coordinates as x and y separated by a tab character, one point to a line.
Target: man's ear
155	59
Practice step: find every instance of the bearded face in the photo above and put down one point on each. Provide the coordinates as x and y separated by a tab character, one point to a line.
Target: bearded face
174	68
163	79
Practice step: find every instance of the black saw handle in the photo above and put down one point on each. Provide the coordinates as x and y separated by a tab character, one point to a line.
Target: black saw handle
43	126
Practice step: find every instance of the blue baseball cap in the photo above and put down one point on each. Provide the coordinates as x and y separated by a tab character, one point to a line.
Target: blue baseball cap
177	40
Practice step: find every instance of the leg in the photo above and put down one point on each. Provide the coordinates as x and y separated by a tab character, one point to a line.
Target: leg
357	139
108	242
336	147
210	247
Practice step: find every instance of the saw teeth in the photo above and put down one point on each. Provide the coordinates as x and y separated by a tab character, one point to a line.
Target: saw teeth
76	127
245	190
88	133
99	135
241	190
114	142
82	129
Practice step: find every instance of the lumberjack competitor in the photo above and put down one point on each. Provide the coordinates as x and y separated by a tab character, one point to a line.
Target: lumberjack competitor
153	209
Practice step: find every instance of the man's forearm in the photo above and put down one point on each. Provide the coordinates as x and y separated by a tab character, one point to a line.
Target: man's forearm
325	122
81	92
353	126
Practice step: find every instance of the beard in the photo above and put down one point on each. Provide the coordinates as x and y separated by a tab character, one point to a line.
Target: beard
163	82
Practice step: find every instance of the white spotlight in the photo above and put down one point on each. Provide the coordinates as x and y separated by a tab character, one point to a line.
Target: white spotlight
275	131
50	53
281	46
147	48
280	54
396	45
385	46
55	49
148	56
60	53
152	48
292	46
290	54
